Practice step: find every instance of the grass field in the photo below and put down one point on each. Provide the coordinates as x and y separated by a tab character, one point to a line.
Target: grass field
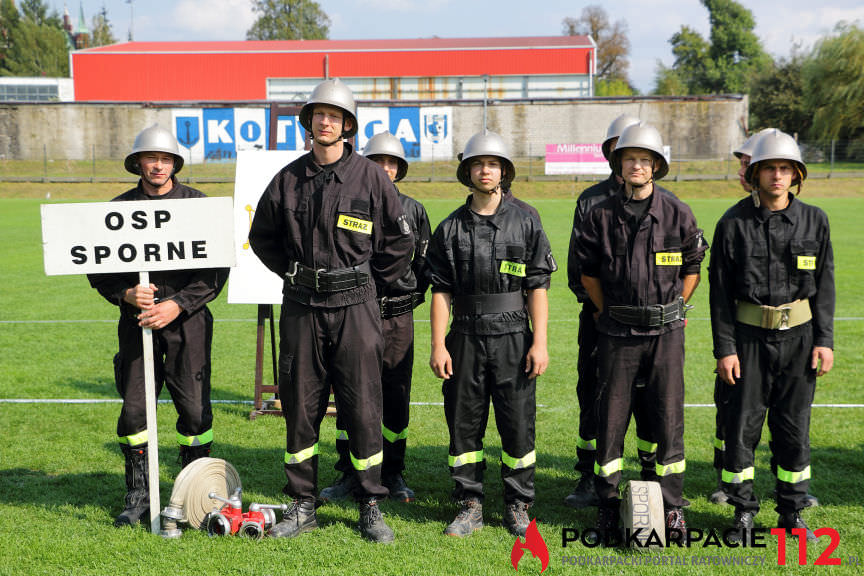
61	473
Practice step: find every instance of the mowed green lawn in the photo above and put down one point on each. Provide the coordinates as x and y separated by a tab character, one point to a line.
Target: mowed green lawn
61	473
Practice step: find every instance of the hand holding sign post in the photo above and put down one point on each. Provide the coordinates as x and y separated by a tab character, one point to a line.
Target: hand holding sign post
139	236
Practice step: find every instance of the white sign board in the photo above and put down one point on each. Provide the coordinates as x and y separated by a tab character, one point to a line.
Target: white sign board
137	236
251	281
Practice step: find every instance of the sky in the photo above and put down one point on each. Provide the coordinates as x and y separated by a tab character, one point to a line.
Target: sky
779	24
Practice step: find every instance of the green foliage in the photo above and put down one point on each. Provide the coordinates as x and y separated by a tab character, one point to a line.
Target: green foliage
668	82
777	98
102	34
613	46
725	64
613	87
37	50
36	11
288	20
835	84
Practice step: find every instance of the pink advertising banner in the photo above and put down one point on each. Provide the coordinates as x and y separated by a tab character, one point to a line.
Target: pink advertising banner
575	159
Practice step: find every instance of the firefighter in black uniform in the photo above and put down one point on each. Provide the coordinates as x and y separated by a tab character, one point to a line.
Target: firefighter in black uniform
492	261
330	224
174	307
584	494
640	253
772	314
397	303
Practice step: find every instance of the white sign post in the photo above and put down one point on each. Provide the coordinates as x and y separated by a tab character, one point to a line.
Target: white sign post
141	236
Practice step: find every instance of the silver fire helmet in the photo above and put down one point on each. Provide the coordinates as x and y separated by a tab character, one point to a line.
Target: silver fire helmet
749	144
614	131
153	139
332	92
485	144
641	135
775	145
386	144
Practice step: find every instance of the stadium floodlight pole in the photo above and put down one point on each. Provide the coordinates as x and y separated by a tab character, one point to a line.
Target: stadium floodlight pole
131	19
150	401
485	98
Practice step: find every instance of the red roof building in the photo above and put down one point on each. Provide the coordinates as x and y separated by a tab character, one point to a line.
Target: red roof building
418	69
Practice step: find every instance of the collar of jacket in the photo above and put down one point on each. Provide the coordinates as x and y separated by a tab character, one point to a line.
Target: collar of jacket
493	219
339	167
657	200
790	213
175	187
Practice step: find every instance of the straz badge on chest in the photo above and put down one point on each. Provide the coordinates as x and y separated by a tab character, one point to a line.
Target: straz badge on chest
354	224
668	259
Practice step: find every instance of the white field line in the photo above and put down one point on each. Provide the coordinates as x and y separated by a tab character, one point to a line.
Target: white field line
250	402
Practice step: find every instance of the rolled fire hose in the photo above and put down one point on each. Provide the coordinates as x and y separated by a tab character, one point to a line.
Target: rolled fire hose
190	502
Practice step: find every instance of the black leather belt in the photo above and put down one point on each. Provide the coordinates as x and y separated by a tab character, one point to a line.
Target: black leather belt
650	316
472	304
324	281
392	306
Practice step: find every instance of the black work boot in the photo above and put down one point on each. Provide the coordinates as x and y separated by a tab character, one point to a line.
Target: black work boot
371	523
137	490
342	489
299	518
516	517
794	520
189	454
719	495
675	521
607	529
584	495
468	520
399	490
743	525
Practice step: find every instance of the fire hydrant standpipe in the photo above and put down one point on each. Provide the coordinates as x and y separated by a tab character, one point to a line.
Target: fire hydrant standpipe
190	500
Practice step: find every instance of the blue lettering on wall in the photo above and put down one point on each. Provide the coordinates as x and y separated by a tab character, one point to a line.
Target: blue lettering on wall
405	125
219	134
250	131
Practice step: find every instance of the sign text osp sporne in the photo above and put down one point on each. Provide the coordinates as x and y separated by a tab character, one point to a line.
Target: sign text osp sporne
137	236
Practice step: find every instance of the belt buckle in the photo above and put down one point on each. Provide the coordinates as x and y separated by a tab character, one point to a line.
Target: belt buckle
292	273
784	317
652	309
382	305
316	277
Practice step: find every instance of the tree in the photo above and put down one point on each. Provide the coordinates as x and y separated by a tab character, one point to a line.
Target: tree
835	86
729	61
288	20
37	12
102	33
9	19
37	51
667	81
613	46
777	98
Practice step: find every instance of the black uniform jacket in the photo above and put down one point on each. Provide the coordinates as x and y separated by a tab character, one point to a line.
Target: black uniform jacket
644	269
415	279
589	198
190	289
473	255
306	215
767	258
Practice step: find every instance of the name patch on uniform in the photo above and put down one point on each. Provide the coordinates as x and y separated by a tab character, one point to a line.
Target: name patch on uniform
668	259
512	268
806	263
354	224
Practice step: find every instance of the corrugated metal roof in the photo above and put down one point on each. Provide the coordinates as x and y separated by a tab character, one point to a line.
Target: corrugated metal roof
297	46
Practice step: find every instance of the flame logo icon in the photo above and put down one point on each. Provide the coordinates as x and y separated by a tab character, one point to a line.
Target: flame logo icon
533	543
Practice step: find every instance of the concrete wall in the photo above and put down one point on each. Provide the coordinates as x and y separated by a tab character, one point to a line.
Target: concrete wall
695	128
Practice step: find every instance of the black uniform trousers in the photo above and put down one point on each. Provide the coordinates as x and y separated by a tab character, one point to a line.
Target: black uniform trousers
320	347
622	362
587	394
775	376
396	373
484	368
181	355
